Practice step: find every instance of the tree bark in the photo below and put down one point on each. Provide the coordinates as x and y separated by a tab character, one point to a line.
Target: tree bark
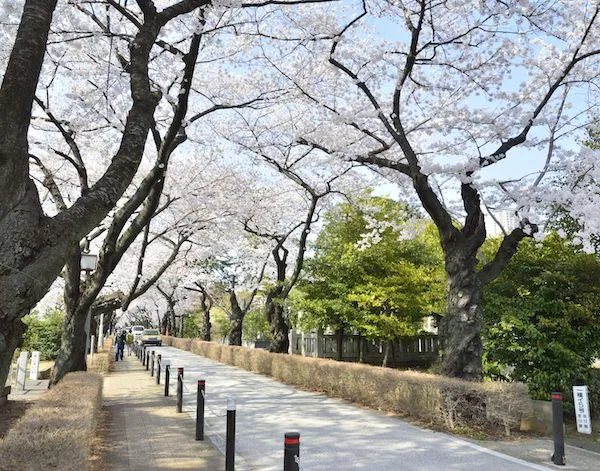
237	319
280	342
33	247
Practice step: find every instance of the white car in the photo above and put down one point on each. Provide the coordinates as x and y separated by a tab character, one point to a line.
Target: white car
137	330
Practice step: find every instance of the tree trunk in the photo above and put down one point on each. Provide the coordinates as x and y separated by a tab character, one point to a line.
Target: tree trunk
237	319
280	342
11	335
207	326
164	324
386	356
72	354
460	328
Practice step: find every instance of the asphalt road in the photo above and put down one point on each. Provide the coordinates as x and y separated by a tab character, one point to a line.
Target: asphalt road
334	435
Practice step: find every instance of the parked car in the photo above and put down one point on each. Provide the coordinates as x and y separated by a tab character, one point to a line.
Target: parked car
137	330
151	337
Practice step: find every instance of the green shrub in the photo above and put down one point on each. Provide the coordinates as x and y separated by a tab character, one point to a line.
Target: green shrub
44	334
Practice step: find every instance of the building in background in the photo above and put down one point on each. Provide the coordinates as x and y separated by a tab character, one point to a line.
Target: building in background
507	220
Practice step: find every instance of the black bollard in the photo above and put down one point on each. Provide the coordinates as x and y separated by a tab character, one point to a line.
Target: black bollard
179	404
167	375
291	451
144	356
158	369
147	360
558	432
200	410
152	364
230	438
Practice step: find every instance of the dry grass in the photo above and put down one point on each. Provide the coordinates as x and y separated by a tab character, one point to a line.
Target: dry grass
56	432
444	402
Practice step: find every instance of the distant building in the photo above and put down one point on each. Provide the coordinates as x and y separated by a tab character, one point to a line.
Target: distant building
507	220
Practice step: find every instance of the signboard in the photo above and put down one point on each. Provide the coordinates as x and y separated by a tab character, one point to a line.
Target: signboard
582	409
21	369
34	369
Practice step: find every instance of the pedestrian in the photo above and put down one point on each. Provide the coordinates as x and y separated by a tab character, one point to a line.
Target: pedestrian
121	337
129	342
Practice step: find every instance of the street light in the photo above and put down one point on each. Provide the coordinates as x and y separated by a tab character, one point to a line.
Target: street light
88	264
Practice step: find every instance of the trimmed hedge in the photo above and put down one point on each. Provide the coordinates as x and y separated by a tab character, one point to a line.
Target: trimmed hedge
57	432
430	398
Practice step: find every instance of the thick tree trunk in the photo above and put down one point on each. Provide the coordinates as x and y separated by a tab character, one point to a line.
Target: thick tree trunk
207	326
11	335
280	342
237	320
72	354
460	328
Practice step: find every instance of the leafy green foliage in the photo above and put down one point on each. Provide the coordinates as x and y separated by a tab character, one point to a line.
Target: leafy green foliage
44	334
542	316
256	326
375	269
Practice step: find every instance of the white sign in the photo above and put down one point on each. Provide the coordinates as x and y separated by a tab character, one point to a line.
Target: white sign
582	409
34	369
21	369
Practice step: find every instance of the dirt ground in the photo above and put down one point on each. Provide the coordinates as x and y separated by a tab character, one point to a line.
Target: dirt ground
10	412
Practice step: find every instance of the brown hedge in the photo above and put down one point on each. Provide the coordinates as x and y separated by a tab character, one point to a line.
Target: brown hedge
434	399
57	432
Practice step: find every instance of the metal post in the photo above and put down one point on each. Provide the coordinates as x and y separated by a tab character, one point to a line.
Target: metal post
230	438
167	375
147	360
179	404
158	369
152	364
558	432
200	410
291	451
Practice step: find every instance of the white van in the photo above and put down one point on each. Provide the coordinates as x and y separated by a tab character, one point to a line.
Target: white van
137	330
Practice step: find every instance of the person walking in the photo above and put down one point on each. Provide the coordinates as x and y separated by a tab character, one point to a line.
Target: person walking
129	342
121	338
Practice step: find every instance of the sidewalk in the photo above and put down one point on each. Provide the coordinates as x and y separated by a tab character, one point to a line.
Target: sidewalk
145	432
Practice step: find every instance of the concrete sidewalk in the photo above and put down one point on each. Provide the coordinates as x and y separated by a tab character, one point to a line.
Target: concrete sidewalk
145	432
337	436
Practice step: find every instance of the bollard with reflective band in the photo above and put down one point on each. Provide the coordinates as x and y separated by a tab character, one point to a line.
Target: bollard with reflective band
179	404
158	365
230	438
558	431
167	376
152	364
291	451
200	409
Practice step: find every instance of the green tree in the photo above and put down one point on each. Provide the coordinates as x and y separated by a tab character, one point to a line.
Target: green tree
256	326
376	268
542	316
44	334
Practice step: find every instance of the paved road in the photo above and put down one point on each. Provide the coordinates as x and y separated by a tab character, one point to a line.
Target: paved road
335	435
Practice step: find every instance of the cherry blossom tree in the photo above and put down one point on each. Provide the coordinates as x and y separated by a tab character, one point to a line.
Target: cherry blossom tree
37	243
441	97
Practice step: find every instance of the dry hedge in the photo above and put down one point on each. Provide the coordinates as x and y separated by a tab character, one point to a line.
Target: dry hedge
57	432
426	397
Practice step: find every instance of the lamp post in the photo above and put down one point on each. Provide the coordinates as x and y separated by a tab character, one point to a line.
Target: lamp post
88	265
